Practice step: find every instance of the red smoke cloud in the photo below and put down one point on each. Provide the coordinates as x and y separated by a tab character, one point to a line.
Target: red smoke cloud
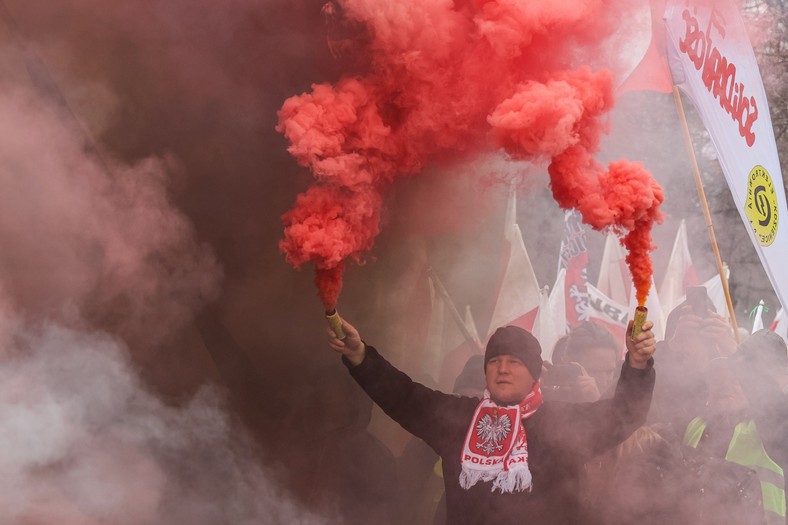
560	120
456	77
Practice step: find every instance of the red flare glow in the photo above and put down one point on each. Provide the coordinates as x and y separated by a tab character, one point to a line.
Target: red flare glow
448	77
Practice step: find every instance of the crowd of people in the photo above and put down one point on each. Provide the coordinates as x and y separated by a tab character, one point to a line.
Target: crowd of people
697	438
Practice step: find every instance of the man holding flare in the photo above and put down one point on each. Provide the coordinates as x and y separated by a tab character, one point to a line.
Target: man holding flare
509	457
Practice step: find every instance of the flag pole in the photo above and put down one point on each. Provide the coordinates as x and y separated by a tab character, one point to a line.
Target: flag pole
707	214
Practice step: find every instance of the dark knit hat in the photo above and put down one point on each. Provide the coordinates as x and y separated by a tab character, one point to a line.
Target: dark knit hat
764	348
514	341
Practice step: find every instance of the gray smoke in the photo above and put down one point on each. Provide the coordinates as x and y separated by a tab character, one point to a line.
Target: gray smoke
84	442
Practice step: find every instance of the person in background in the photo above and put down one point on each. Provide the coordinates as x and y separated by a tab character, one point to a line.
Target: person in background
352	474
508	457
588	368
694	335
749	487
641	481
765	355
593	347
761	367
559	351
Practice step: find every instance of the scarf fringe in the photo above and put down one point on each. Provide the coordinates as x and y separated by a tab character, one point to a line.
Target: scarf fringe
517	480
470	477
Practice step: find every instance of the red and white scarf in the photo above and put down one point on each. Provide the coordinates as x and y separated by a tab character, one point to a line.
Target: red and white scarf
496	448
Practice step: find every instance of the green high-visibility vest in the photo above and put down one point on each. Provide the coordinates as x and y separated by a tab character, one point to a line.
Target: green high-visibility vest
746	448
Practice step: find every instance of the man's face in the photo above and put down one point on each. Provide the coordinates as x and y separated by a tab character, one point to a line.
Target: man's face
599	362
508	379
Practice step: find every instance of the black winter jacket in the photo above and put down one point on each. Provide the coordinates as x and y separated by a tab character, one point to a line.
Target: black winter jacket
561	437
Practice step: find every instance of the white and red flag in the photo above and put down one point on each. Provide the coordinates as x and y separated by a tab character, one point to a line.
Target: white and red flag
679	274
451	340
551	323
573	259
712	62
614	281
442	336
609	313
518	292
716	292
615	315
780	324
456	357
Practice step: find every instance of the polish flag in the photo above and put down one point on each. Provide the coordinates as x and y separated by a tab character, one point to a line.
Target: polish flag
780	324
439	334
614	280
679	274
454	360
715	292
451	337
551	323
518	292
609	313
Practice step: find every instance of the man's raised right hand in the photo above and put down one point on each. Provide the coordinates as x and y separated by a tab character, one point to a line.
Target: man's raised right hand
351	347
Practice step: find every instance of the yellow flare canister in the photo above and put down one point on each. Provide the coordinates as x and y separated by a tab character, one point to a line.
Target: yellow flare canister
335	322
641	312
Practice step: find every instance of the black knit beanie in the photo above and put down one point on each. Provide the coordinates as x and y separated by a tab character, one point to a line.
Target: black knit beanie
764	348
514	341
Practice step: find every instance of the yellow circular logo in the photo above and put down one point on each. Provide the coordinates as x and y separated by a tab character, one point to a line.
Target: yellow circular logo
761	205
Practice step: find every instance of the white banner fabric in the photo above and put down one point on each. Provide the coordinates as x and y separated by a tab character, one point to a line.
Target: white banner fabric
712	62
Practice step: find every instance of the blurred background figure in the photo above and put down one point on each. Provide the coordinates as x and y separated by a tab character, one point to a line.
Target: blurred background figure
694	335
761	367
643	481
559	351
352	476
586	366
765	354
741	483
470	381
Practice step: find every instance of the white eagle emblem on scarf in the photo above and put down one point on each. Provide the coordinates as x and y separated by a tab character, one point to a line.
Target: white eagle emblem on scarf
492	431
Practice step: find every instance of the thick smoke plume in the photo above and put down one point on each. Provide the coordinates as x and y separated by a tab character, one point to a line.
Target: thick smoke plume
85	240
83	442
447	78
97	267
